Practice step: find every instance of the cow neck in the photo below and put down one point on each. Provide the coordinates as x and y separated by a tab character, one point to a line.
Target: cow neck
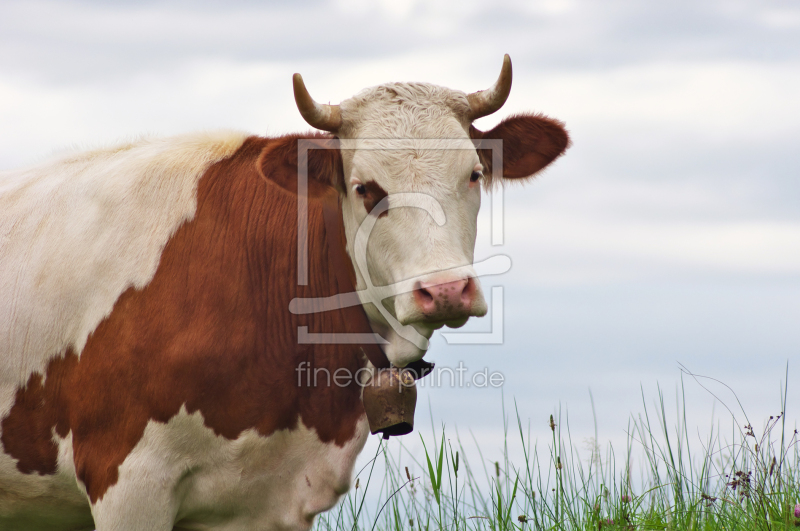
342	267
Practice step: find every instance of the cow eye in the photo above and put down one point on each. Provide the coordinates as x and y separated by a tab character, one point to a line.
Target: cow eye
361	190
475	176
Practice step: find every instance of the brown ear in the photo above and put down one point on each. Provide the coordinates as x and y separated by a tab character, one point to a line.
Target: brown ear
279	163
530	142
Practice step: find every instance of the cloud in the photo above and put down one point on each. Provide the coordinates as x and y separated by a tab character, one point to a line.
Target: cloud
73	40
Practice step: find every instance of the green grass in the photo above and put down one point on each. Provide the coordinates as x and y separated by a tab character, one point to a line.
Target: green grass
748	479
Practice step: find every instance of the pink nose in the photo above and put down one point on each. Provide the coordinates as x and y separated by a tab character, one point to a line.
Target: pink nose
446	300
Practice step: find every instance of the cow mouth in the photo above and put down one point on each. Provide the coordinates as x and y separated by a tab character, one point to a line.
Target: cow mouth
449	323
457	323
401	349
451	318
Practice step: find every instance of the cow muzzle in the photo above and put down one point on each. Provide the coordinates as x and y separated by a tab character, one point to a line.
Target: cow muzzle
441	300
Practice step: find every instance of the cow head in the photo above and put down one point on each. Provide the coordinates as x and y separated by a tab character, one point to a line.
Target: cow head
411	186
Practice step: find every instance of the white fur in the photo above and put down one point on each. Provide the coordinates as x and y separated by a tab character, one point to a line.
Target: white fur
389	135
182	473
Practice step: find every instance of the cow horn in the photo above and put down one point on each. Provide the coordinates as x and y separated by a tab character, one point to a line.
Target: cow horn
485	102
325	117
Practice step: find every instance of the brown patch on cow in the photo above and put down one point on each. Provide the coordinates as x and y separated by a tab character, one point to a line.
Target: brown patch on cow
375	194
29	425
530	142
212	331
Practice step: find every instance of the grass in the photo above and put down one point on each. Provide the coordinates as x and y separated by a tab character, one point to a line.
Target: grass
748	479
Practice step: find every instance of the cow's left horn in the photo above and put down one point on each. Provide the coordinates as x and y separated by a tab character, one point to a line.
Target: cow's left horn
325	117
487	101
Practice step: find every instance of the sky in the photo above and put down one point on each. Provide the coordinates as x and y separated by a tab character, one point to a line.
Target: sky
667	237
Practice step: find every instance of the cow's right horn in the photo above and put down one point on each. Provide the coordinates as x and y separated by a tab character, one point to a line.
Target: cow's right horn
325	117
487	101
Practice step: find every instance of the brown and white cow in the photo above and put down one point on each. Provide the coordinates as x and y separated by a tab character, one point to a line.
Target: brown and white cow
148	354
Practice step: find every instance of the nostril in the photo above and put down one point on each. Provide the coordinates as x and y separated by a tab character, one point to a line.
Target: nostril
423	297
468	293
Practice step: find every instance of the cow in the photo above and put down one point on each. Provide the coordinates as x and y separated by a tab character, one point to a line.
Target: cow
151	293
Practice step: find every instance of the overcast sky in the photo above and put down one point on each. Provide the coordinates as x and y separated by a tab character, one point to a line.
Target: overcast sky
670	233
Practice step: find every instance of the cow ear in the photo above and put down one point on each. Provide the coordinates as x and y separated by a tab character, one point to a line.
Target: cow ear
530	143
279	163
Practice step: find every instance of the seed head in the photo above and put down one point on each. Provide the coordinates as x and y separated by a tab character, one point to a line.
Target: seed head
552	424
709	499
522	518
